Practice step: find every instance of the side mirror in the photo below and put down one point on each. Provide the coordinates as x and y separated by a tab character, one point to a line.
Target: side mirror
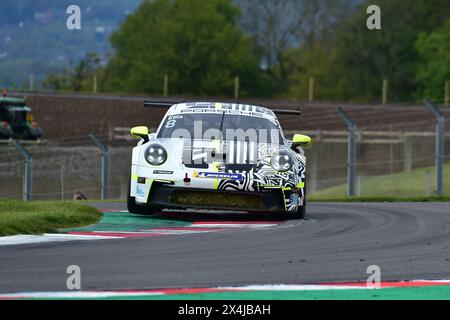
140	133
301	140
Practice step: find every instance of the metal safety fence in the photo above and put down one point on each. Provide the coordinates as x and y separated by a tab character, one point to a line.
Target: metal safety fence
355	162
63	171
387	164
382	168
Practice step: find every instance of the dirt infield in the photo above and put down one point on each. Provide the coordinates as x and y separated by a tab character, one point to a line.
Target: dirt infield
71	116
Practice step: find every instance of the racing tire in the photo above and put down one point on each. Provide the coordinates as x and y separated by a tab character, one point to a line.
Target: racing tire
301	210
134	208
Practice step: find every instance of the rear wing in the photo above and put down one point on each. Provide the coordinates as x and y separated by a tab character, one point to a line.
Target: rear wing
161	104
168	104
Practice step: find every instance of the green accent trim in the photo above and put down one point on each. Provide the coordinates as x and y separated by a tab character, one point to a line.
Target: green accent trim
123	221
139	132
406	293
216	167
300	140
284	197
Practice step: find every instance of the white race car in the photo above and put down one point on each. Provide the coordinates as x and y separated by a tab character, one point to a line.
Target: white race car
219	156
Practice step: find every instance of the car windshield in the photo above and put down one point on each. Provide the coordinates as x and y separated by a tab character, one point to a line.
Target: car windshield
221	126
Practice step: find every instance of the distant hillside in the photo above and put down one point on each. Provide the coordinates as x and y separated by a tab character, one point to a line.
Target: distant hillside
34	38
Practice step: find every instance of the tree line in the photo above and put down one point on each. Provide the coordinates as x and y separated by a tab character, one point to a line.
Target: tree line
275	47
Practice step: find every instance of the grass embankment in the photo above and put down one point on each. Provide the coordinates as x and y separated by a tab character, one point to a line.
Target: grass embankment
404	186
18	217
379	199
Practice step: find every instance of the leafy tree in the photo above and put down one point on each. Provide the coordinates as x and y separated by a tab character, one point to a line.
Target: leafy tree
353	63
434	65
57	81
366	57
84	71
196	43
78	79
278	26
315	62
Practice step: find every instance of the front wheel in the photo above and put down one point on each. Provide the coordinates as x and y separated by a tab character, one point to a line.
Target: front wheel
301	210
137	209
134	208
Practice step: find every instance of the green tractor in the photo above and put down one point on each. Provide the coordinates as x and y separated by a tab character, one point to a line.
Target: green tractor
16	120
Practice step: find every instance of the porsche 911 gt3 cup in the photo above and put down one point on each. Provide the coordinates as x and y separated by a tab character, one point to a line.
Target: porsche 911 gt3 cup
218	156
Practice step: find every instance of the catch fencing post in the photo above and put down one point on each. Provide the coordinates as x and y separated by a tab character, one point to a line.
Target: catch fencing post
311	89
440	146
166	85
31	82
351	160
94	84
105	164
447	93
62	180
236	87
28	181
384	98
359	186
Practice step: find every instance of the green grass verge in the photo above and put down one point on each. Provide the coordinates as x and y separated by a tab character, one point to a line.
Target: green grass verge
379	199
403	186
18	217
103	201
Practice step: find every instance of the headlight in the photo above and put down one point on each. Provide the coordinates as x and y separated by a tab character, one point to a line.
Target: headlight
281	161
156	155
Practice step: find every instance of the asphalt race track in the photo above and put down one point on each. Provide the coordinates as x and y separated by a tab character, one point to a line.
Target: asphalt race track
336	243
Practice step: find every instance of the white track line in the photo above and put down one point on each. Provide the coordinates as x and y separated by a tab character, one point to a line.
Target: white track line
131	293
293	287
209	227
235	225
47	237
75	294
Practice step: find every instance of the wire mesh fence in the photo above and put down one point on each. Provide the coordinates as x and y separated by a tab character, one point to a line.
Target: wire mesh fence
11	179
387	164
60	172
388	167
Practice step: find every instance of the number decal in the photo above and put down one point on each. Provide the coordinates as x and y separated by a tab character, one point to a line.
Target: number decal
171	124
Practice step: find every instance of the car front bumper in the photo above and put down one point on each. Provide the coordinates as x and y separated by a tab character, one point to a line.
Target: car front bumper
165	196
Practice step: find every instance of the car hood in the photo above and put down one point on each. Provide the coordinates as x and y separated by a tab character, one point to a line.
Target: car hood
235	155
